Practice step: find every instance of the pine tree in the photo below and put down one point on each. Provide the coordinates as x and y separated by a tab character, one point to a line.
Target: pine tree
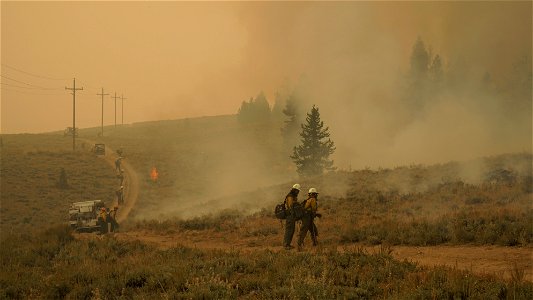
289	131
419	60
277	108
312	156
435	70
418	88
255	110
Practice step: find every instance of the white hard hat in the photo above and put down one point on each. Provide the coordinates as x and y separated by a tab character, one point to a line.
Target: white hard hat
296	186
312	191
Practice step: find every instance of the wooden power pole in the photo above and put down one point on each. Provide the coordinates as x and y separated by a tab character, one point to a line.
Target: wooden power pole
115	97
122	98
102	94
74	89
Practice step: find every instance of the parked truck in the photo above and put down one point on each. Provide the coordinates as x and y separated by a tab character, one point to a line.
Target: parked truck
83	216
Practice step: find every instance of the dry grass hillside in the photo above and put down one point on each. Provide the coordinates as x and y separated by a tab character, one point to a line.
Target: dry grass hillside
198	160
31	166
206	228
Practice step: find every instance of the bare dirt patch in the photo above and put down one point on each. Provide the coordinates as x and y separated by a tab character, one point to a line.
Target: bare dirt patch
498	260
494	260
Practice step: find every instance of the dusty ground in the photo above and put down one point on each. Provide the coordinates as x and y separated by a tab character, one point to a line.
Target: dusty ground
498	260
495	260
503	262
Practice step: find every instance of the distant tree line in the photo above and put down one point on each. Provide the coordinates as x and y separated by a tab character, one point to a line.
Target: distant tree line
254	110
306	140
428	78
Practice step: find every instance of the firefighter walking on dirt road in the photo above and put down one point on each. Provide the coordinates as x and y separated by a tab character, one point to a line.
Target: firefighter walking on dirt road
120	195
118	162
290	223
310	207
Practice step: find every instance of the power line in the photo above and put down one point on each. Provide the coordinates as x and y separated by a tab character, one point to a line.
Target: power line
28	84
18	86
27	93
35	75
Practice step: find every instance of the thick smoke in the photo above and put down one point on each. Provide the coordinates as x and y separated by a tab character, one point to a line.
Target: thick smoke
355	61
351	59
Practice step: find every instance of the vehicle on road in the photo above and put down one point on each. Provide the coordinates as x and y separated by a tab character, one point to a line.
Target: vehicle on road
99	149
83	216
69	131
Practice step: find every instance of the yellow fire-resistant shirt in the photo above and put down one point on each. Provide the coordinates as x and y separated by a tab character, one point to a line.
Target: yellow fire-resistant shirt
289	201
311	205
103	215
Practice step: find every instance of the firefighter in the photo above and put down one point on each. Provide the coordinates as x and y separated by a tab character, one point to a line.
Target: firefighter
120	176
120	195
102	220
112	219
310	208
290	222
118	161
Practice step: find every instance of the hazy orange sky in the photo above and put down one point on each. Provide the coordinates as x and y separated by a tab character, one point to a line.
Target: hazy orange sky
186	59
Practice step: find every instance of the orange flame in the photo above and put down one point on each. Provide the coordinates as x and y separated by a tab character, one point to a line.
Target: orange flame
154	174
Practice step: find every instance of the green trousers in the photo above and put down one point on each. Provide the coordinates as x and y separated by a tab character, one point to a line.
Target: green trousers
307	225
290	224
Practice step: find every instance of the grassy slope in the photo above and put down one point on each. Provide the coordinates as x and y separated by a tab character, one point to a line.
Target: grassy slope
413	200
195	158
30	170
199	160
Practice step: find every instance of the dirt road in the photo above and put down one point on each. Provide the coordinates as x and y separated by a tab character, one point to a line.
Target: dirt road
495	260
131	182
131	185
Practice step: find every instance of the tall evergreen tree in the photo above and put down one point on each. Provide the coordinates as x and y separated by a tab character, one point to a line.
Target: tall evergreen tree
261	107
435	70
255	110
277	108
424	79
312	156
419	60
289	131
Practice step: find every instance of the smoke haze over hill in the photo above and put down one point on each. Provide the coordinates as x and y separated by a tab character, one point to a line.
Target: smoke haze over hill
184	59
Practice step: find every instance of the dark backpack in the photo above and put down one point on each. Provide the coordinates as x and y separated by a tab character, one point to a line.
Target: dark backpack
280	211
298	211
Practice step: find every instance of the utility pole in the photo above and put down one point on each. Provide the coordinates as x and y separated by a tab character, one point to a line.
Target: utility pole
122	98
74	89
102	94
116	108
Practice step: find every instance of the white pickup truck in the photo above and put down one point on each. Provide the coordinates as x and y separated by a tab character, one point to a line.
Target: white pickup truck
83	216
